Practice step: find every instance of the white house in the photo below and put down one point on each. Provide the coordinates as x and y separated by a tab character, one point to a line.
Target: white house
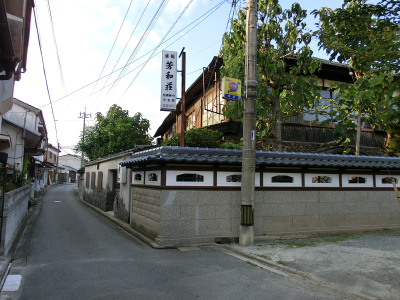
23	134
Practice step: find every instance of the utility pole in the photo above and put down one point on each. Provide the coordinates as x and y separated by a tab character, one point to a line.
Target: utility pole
183	99
83	116
58	156
246	234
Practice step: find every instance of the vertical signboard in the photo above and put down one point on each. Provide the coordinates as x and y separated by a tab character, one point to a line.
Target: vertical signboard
168	80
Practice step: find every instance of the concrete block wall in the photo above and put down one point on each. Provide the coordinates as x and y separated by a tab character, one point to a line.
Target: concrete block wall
179	217
15	211
280	212
190	216
145	211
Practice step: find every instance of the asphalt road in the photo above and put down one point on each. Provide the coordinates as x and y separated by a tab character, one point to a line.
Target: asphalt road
74	253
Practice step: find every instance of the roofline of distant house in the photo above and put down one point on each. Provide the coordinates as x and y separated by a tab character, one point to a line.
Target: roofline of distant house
119	154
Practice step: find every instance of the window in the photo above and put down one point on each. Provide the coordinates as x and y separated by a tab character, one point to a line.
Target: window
152	177
190	178
87	180
389	180
100	180
191	121
322	179
93	181
356	179
138	177
282	179
323	107
234	178
359	180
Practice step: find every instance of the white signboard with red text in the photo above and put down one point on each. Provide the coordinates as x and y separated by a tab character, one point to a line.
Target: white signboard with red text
168	80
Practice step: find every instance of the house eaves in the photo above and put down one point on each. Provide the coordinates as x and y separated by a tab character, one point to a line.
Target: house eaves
16	125
202	156
119	155
7	56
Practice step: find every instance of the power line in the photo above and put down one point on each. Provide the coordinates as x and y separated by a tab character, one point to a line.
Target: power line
115	40
44	71
123	50
202	18
142	39
55	44
230	18
155	49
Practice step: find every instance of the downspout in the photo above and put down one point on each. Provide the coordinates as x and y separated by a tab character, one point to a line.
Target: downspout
24	135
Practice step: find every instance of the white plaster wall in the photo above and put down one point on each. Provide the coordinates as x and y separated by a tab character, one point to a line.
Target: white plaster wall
16	150
71	161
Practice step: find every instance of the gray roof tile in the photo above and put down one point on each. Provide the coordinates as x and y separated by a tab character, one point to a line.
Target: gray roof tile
263	158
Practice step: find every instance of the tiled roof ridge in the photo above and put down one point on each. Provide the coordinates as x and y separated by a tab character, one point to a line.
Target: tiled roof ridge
232	156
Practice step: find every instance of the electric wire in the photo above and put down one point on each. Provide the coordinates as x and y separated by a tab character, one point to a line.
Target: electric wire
55	45
115	40
204	16
230	18
123	50
44	71
155	49
142	40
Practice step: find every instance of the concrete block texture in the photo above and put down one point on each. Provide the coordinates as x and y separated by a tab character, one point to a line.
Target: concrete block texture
305	222
278	196
306	196
332	196
182	216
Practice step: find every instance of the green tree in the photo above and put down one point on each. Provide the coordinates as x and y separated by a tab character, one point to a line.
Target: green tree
367	37
113	133
197	137
286	86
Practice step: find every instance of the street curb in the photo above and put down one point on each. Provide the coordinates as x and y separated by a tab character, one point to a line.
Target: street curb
227	248
124	226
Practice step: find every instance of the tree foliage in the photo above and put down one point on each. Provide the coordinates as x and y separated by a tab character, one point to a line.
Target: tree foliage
197	137
283	90
367	37
113	133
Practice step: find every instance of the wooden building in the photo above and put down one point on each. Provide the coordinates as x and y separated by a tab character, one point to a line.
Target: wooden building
303	133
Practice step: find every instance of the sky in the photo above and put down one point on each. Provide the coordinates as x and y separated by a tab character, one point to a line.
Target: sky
94	43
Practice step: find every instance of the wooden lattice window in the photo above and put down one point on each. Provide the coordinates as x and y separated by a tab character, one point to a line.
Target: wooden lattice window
389	180
152	177
234	178
87	180
100	180
322	179
93	181
138	177
282	179
357	180
188	177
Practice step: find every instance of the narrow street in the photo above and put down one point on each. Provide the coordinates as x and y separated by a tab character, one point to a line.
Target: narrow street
75	253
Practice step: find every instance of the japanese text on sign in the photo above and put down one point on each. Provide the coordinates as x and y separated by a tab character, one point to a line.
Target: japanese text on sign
168	80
